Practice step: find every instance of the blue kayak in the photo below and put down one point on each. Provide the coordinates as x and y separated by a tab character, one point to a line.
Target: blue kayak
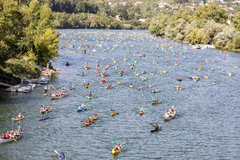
41	119
82	109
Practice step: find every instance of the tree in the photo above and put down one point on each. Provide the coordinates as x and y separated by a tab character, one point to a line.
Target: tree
236	22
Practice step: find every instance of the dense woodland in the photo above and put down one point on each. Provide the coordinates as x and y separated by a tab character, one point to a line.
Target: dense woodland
206	25
26	31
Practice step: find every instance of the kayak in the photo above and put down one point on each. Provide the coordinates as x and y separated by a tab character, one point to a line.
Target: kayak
155	103
206	77
141	113
154	91
82	109
115	152
41	119
154	130
113	114
137	73
86	86
95	117
87	124
151	73
143	72
187	70
102	82
179	89
63	159
89	97
169	117
72	88
120	74
114	62
118	83
229	74
10	140
143	79
199	69
176	64
179	79
108	87
50	88
164	71
17	119
194	79
131	86
213	82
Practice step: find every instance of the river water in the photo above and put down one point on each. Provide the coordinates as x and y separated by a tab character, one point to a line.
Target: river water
207	126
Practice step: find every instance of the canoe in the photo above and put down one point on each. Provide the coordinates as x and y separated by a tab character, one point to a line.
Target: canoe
115	152
95	117
141	113
10	140
17	119
113	114
151	73
87	124
169	117
58	97
41	119
108	87
82	109
155	103
154	130
131	86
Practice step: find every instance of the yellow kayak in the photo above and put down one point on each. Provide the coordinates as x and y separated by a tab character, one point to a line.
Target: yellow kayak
115	152
95	118
113	114
86	86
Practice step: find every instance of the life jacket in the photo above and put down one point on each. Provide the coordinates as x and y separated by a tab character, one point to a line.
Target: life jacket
12	132
19	116
7	135
43	108
2	137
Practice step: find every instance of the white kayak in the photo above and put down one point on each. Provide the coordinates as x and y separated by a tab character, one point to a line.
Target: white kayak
17	119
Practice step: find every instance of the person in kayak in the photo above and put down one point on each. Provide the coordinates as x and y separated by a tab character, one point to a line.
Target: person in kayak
45	89
19	116
87	84
109	86
141	110
179	86
143	78
43	110
154	90
113	111
119	82
95	116
156	100
62	156
63	88
139	88
117	66
82	73
156	127
122	72
103	80
67	64
49	108
223	70
2	136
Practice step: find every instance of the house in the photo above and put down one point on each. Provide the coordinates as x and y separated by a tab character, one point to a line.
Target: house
163	4
142	20
118	17
123	3
231	15
192	7
230	8
174	7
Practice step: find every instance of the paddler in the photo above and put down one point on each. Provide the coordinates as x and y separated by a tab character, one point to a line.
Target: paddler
2	136
113	111
154	90
95	116
82	73
67	64
119	82
223	70
87	84
139	88
63	88
49	108
156	127
12	132
117	66
141	110
90	94
155	100
109	86
103	80
179	86
43	110
19	116
72	86
7	135
62	156
45	89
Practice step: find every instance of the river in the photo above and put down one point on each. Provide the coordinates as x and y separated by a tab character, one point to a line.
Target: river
207	126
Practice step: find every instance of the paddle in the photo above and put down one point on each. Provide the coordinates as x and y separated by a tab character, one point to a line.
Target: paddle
56	151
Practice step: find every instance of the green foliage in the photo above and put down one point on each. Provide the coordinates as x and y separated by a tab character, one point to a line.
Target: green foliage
209	12
236	22
237	40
